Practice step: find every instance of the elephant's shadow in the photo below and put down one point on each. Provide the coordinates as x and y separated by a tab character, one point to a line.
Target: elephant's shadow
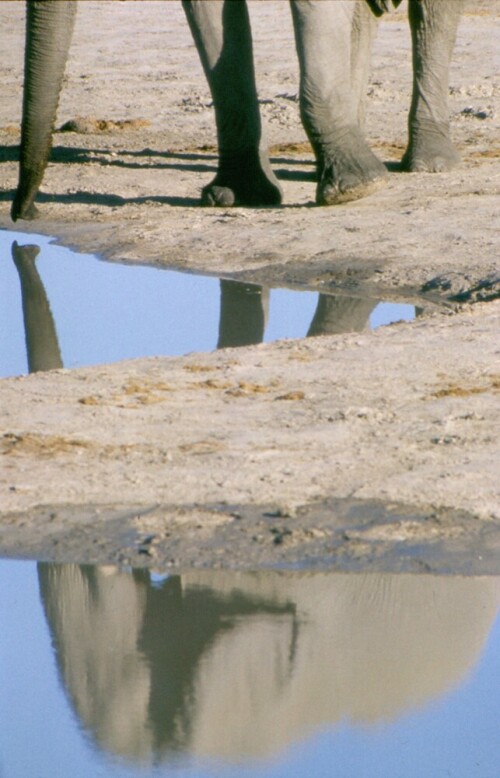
287	168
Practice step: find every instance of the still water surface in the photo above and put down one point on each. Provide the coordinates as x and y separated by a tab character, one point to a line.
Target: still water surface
59	308
123	673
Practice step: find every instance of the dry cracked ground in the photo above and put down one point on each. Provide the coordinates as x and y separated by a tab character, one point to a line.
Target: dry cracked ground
372	450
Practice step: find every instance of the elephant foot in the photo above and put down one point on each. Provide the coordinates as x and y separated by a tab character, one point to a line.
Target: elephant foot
245	181
430	153
23	208
349	173
24	256
334	195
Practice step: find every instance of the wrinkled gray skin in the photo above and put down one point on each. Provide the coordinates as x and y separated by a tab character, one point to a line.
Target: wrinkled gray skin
333	39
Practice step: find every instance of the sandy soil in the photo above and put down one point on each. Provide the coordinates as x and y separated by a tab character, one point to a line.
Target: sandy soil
376	450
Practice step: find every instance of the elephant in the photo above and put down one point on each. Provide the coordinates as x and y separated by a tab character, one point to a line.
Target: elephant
333	40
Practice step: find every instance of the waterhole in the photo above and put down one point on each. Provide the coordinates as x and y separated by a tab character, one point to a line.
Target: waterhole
64	309
124	673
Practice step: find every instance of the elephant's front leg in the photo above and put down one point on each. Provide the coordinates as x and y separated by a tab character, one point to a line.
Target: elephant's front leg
329	100
221	30
434	26
49	26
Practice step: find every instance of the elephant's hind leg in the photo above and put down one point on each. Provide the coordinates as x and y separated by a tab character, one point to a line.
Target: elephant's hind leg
347	169
433	25
221	30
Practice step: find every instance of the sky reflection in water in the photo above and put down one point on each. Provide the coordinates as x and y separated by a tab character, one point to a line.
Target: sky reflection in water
250	674
79	310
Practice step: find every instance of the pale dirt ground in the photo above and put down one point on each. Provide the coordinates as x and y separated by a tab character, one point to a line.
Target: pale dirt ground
373	451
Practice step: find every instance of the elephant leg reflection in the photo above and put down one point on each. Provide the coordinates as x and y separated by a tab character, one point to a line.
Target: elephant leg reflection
335	315
41	337
242	664
243	314
130	653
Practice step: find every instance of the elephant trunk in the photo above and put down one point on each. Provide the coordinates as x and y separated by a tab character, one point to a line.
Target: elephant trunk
49	26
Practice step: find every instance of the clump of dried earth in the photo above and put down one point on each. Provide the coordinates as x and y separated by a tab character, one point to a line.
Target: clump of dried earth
373	450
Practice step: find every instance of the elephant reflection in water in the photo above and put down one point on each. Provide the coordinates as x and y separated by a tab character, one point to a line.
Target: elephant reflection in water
243	313
231	665
245	308
42	345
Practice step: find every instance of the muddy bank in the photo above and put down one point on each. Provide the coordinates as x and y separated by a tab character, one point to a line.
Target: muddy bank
400	421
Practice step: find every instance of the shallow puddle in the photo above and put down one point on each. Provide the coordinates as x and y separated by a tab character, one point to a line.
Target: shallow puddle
117	673
60	308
